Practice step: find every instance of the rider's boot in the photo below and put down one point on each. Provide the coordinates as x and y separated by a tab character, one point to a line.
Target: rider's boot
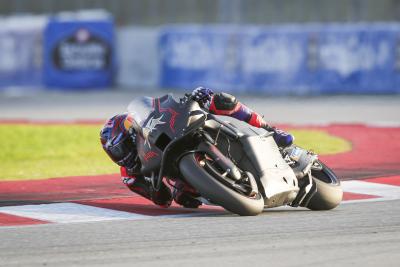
282	138
185	195
141	186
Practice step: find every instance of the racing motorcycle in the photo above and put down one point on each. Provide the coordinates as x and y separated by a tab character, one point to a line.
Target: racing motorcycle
236	166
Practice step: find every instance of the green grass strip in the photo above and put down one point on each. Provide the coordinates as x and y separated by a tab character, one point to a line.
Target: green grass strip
47	151
320	142
44	151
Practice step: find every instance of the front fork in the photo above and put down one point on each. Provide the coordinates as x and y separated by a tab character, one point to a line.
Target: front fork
302	162
306	192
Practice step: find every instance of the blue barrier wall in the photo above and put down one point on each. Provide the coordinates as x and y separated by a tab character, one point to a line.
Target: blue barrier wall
311	59
278	60
79	54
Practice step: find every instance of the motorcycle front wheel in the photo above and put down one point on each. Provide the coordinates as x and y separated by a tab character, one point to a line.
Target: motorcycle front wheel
329	191
218	193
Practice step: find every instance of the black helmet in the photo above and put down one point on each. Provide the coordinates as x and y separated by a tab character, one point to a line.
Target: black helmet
118	140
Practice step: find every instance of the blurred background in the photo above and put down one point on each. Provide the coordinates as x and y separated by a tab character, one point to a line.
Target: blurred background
263	47
158	12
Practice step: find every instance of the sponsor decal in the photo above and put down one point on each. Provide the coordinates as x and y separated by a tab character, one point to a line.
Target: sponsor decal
128	122
150	126
173	113
82	51
149	155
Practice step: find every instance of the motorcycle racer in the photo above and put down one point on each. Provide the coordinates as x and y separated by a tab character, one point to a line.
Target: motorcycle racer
118	140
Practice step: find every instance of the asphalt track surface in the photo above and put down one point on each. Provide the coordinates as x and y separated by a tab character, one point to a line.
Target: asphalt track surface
358	234
374	110
366	234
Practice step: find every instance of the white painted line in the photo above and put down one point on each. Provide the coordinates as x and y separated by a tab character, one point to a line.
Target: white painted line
383	124
194	214
384	191
70	213
378	199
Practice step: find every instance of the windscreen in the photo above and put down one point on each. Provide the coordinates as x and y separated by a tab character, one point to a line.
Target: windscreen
140	108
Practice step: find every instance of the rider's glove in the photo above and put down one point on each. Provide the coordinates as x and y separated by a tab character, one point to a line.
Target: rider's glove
282	138
202	95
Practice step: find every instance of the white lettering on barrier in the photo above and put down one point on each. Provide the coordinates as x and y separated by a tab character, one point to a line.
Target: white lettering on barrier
82	56
351	55
190	53
272	55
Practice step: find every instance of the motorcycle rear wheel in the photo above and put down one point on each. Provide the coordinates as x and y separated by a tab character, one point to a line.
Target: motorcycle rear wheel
218	193
329	191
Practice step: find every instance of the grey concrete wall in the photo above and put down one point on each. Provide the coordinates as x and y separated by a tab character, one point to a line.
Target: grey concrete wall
137	50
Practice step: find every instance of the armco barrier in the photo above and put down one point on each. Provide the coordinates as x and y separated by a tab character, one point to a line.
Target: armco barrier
79	54
291	59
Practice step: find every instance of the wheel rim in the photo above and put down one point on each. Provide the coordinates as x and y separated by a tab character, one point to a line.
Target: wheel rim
206	163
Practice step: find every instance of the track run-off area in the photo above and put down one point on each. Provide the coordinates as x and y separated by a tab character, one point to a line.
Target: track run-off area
367	175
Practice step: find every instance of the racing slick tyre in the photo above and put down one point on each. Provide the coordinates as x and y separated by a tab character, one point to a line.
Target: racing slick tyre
218	193
329	191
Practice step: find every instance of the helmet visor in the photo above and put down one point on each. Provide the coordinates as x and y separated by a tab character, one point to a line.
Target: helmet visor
121	150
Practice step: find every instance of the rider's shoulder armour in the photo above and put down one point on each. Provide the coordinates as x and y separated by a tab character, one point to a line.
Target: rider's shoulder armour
224	101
